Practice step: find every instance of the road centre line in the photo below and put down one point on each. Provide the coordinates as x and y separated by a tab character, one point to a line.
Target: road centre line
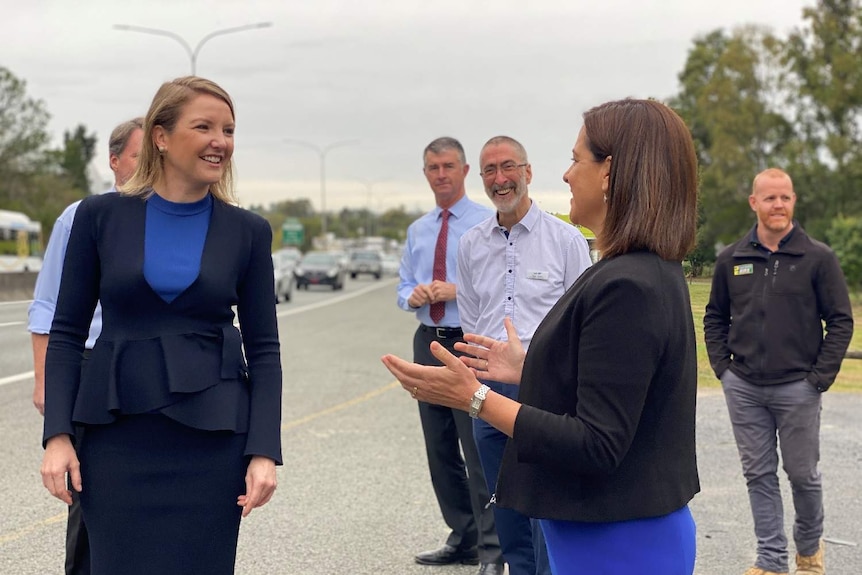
339	406
27	529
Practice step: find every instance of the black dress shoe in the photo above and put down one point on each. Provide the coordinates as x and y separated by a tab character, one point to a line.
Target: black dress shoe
490	569
447	555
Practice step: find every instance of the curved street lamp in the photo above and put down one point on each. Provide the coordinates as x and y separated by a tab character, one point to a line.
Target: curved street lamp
192	53
321	152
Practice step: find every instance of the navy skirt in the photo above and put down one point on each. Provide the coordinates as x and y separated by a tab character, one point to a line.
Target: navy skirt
160	497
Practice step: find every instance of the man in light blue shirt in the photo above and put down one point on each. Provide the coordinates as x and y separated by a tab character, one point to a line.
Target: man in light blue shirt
516	264
123	149
428	287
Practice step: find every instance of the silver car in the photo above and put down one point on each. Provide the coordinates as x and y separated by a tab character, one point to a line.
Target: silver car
283	278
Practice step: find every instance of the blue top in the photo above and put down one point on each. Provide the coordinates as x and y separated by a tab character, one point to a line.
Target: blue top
174	241
417	262
519	275
48	281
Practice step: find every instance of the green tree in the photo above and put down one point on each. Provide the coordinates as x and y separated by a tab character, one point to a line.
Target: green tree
23	137
392	224
79	149
278	212
845	237
824	87
729	85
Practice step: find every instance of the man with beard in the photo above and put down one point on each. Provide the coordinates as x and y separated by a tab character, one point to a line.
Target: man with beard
516	265
428	286
771	293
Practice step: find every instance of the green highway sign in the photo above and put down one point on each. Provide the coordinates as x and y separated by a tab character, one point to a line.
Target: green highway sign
292	232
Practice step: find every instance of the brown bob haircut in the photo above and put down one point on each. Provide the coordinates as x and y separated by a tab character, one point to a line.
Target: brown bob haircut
652	192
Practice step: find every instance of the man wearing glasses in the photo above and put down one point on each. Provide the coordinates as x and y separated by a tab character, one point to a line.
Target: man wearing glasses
514	265
429	274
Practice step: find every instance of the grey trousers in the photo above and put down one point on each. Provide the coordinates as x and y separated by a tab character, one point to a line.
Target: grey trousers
765	418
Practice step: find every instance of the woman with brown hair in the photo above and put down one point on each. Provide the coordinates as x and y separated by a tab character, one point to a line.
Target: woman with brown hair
602	439
171	431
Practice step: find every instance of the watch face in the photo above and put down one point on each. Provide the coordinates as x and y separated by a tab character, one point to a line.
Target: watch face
478	400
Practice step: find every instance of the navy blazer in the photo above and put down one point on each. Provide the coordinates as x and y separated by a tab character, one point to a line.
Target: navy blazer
183	359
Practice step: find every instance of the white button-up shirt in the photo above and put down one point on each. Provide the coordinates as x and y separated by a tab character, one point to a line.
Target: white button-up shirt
520	276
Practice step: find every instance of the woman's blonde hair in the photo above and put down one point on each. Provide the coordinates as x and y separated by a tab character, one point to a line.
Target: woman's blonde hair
165	110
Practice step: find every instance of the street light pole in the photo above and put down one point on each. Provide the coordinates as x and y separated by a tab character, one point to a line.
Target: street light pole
192	53
321	152
369	188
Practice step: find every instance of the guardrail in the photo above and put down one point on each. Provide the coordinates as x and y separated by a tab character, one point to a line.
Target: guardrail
17	285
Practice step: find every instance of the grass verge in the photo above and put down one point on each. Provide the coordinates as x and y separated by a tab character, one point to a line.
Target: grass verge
849	378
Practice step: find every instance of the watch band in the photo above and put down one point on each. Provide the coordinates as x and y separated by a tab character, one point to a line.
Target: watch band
478	400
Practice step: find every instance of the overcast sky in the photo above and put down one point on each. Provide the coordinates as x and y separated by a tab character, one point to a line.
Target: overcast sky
393	74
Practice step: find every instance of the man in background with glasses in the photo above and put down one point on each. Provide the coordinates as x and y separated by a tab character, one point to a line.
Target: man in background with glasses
429	275
516	265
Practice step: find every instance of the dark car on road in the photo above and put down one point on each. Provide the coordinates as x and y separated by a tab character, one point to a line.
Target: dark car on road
320	268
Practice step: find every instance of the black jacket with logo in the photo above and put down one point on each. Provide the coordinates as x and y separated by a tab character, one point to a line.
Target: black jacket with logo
764	320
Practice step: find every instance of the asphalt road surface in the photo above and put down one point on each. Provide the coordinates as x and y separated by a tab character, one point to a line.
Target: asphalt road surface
354	494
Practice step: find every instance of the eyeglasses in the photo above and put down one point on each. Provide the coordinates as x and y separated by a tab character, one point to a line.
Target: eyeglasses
507	169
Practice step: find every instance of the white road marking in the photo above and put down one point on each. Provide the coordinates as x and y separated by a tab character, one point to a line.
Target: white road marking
16	378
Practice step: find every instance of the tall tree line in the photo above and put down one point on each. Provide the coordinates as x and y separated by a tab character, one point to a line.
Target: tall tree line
35	178
754	99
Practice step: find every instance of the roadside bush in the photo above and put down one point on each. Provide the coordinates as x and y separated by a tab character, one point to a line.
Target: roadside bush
845	237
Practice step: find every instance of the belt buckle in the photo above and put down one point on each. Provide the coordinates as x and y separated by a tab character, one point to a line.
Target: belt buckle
441	332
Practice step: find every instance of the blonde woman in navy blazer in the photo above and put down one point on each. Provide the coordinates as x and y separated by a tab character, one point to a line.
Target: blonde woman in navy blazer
601	442
171	432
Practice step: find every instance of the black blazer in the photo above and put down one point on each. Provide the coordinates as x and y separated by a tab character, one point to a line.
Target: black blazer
183	359
606	431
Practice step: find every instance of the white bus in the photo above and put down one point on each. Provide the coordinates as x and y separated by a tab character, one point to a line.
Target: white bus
20	243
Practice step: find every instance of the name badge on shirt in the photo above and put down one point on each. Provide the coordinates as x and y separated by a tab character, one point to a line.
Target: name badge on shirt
743	270
538	276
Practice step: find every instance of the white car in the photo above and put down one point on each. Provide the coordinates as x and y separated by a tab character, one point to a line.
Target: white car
283	278
391	264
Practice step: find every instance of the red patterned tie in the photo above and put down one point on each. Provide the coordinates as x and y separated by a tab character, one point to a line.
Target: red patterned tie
438	310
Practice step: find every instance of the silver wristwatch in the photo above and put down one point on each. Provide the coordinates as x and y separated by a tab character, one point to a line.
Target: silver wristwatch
478	400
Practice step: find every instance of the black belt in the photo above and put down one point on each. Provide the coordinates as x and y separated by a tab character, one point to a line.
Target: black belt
443	332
